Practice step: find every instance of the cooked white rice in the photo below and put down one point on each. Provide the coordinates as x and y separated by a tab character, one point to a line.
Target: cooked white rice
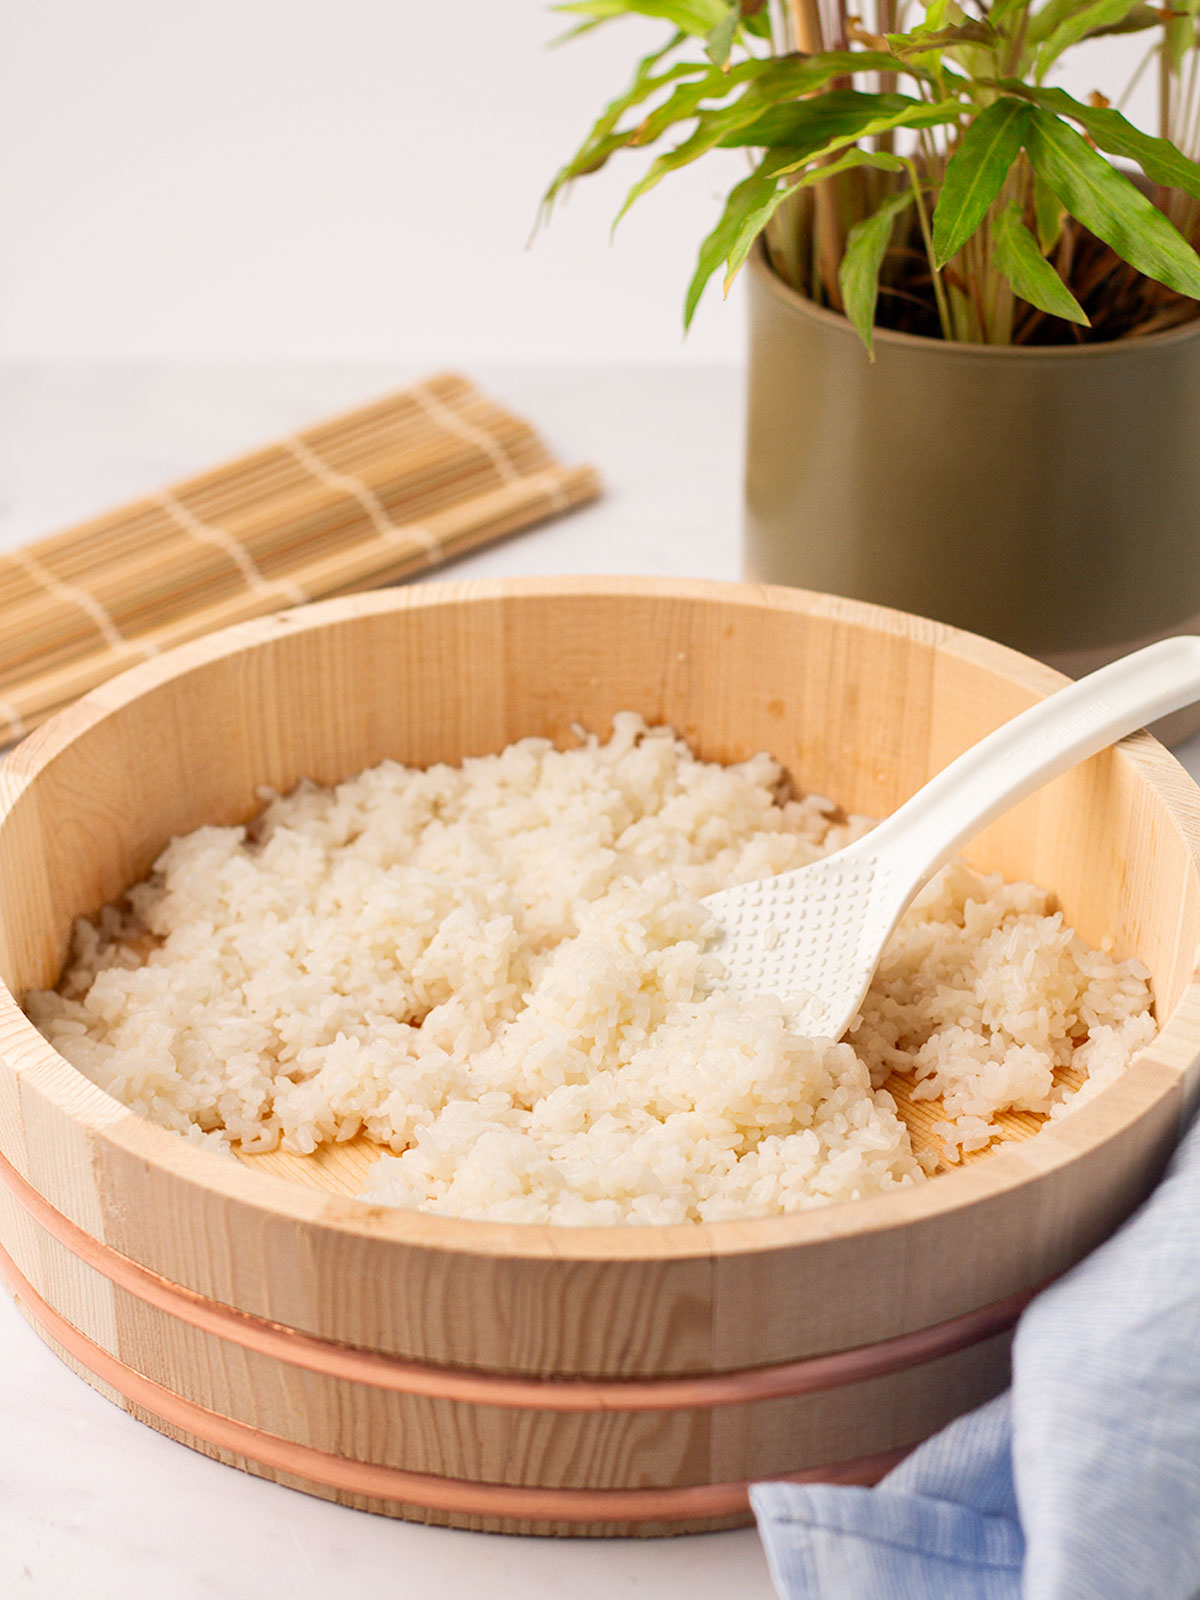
499	971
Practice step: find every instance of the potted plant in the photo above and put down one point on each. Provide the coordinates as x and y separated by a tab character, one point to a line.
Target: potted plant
974	379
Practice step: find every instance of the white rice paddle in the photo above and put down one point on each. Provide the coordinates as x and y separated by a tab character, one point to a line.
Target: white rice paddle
814	937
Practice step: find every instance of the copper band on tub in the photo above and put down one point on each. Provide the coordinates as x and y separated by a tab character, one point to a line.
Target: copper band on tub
385	1371
397	1485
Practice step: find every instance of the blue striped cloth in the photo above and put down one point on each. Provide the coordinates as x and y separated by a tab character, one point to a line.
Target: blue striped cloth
1081	1483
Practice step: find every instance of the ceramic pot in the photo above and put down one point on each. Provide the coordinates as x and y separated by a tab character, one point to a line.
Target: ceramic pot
1045	497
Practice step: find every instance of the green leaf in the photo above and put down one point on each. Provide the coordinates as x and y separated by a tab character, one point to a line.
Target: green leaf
785	78
823	168
976	172
1048	214
697	17
858	276
814	153
923	39
1016	255
1095	17
1108	204
685	102
1137	20
917	114
830	123
757	220
1158	158
579	29
742	200
718	46
822	126
1042	23
682	104
793	123
757	22
602	141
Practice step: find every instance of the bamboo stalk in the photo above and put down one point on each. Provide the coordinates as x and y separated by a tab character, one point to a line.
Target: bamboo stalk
371	497
804	18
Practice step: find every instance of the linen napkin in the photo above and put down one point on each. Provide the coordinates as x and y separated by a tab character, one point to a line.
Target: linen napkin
1081	1483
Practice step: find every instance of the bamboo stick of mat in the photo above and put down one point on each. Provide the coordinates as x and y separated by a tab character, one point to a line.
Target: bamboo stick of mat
377	495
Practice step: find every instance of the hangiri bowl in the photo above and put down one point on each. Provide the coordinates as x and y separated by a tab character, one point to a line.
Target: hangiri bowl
537	1379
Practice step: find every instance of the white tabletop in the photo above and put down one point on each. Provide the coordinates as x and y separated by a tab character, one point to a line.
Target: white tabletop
93	1504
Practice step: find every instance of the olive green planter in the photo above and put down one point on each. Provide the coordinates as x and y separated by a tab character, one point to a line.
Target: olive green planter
1048	498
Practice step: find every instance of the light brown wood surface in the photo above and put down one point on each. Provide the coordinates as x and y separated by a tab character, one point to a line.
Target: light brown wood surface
857	702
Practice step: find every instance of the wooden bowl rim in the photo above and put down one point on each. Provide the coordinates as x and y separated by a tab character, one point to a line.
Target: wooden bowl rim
1155	1073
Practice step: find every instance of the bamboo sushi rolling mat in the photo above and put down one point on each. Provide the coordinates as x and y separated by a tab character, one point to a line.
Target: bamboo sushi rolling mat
371	497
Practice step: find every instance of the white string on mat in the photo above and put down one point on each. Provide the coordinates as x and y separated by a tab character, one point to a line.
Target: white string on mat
468	431
86	601
367	498
557	495
234	548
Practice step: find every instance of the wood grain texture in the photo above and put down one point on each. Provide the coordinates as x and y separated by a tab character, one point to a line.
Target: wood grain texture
857	702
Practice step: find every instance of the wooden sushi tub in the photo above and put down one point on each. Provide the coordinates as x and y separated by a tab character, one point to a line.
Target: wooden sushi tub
536	1379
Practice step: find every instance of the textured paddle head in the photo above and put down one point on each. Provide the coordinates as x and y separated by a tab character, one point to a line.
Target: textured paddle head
812	937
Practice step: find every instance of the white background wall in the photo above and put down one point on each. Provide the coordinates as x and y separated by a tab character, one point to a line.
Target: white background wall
353	179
